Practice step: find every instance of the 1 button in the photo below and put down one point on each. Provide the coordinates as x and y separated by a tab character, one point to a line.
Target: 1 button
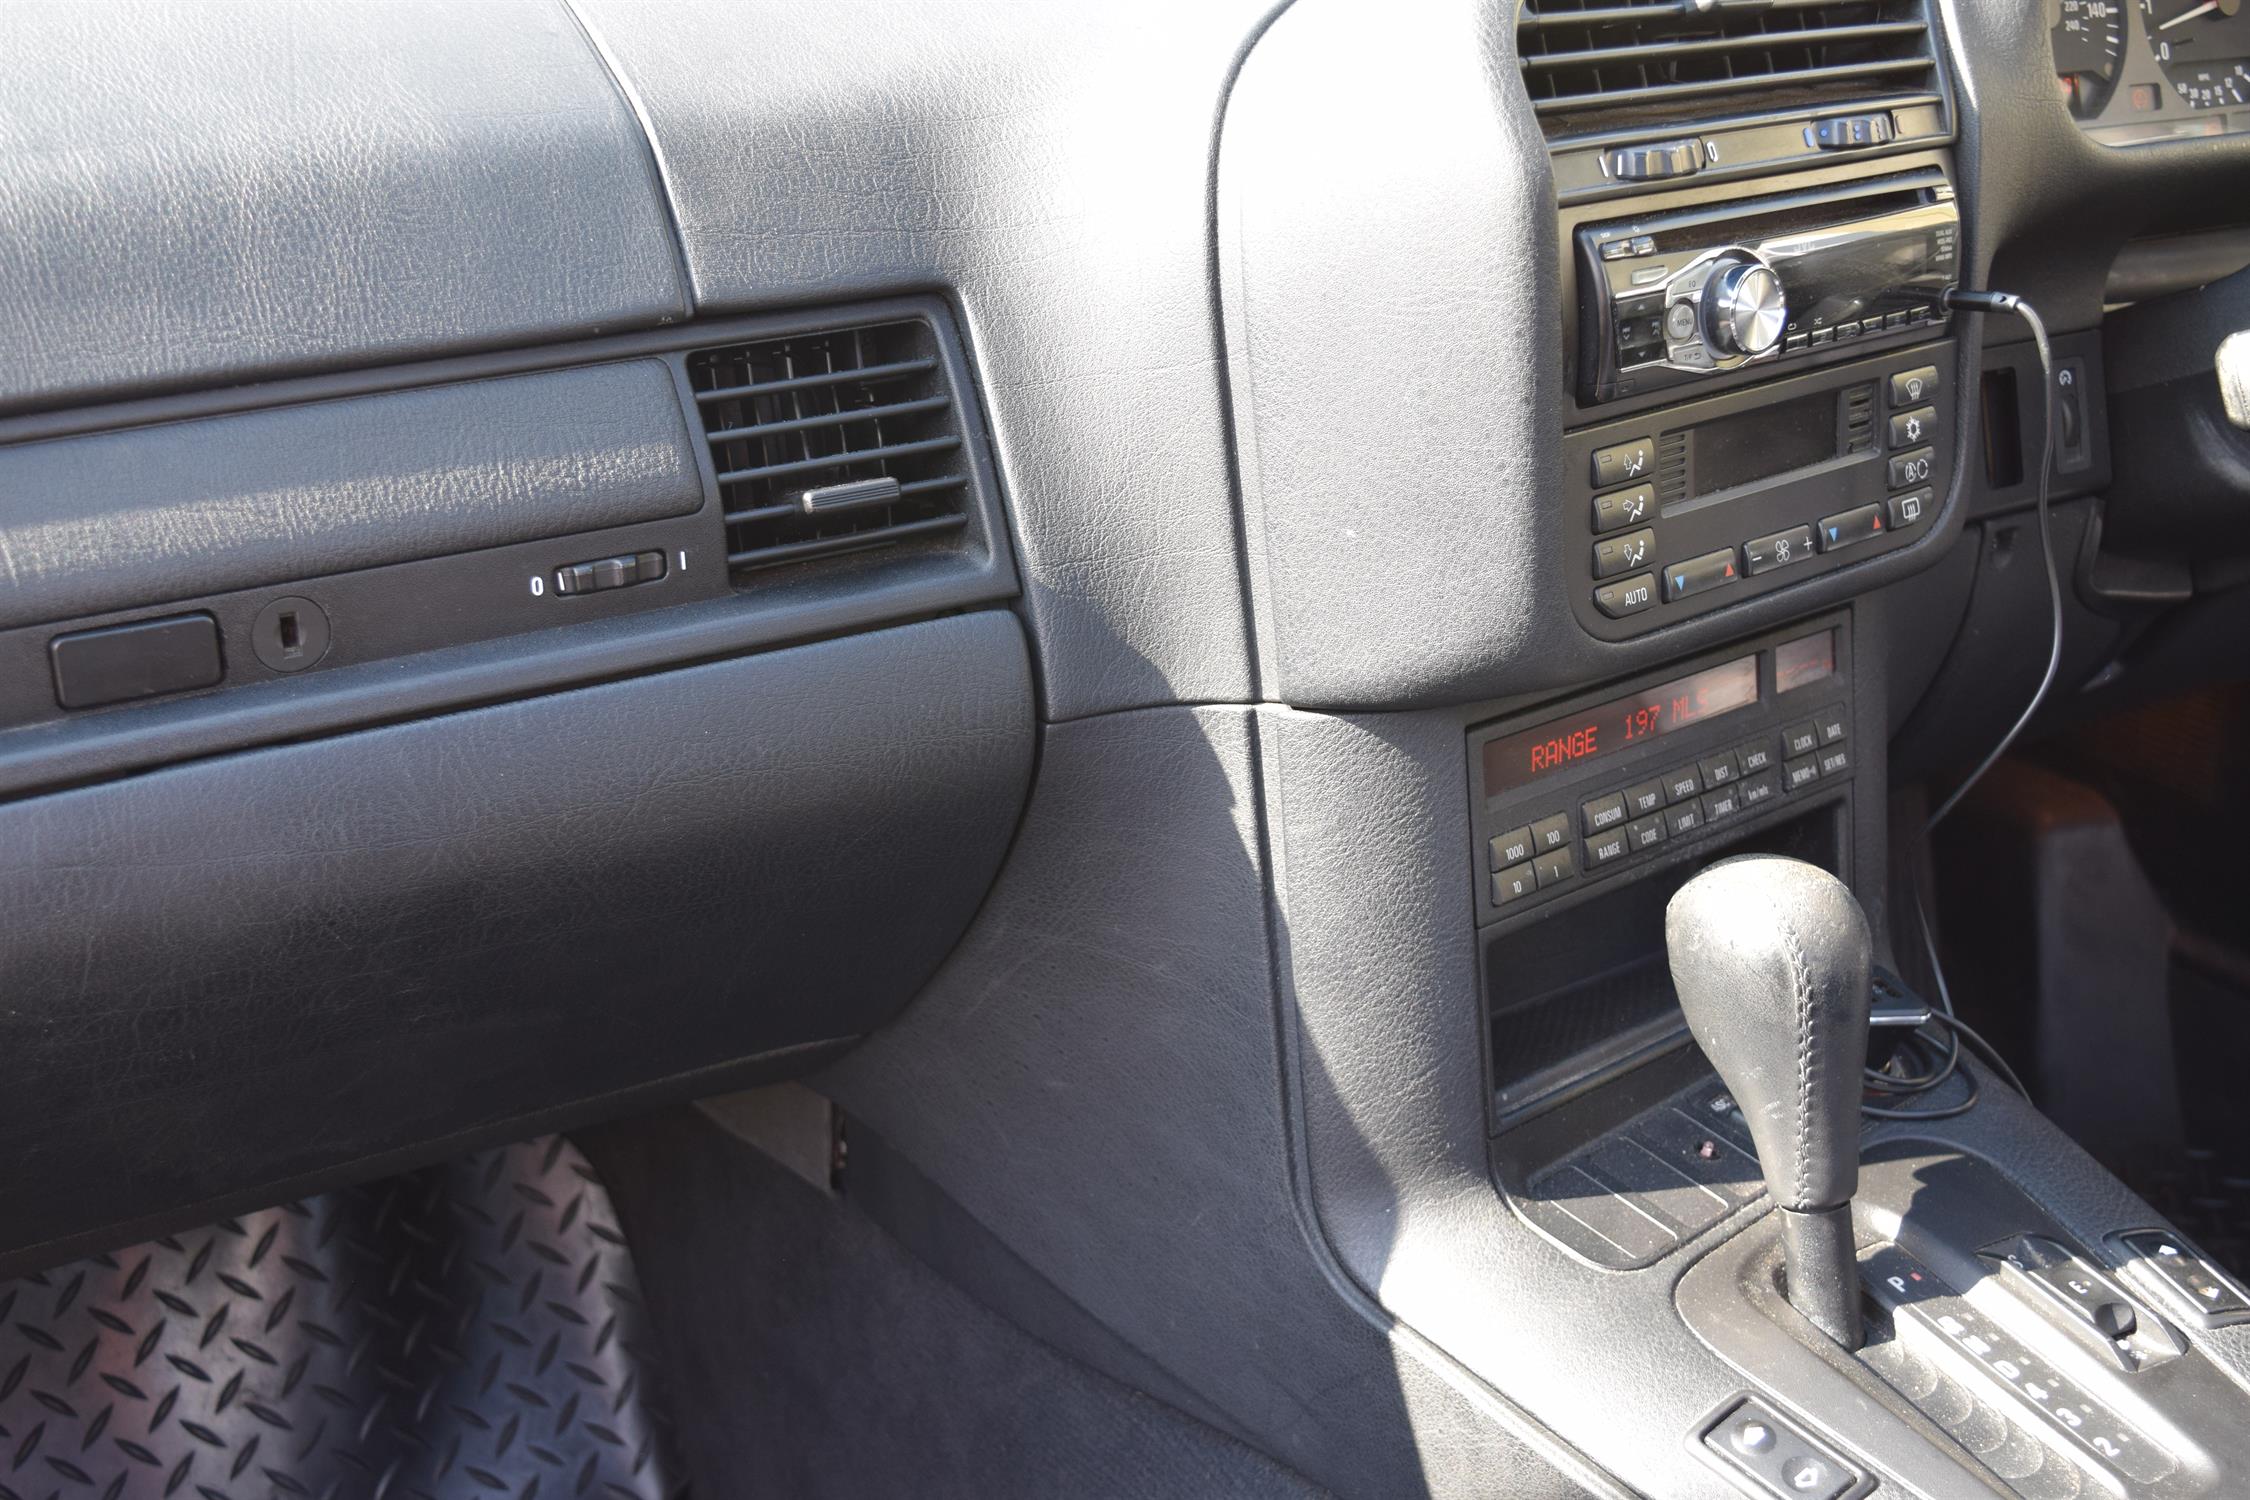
1644	799
1644	833
1604	848
1551	868
1513	884
1620	508
1912	387
1699	574
1550	834
1622	554
1626	596
1911	427
1682	784
1720	770
1778	551
1799	774
1910	469
1908	510
1604	812
1852	526
1800	739
1621	463
1512	848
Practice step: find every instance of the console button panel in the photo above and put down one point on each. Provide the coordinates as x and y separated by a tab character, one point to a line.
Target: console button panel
1578	795
1733	496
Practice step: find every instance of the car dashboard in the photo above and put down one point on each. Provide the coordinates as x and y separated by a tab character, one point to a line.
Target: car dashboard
1158	605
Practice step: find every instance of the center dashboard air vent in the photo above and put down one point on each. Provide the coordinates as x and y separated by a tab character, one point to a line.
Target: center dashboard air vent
1605	64
832	441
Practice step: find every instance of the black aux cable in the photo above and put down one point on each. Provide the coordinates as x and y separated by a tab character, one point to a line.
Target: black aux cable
1938	1063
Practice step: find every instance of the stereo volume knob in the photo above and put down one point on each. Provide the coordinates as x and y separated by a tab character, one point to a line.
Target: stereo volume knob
1744	308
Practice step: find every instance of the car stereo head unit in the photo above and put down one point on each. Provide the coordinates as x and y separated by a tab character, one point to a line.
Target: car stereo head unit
1668	299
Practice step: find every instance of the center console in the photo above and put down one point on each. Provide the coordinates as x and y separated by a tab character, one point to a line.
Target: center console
1676	975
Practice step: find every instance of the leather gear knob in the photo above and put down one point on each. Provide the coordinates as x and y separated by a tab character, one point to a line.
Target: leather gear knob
1770	957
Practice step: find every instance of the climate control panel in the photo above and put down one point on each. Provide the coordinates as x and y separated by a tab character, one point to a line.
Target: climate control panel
1703	504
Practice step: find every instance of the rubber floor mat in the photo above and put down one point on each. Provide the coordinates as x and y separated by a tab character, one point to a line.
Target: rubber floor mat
473	1329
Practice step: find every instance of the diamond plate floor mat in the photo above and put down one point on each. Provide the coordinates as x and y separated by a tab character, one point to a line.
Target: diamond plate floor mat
469	1330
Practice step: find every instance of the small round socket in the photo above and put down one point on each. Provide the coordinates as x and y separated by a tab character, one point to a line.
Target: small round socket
290	634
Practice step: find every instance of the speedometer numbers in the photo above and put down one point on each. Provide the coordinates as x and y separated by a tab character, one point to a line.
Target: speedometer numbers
2089	38
2203	48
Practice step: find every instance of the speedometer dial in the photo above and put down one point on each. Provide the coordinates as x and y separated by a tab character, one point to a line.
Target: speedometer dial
2203	46
2089	37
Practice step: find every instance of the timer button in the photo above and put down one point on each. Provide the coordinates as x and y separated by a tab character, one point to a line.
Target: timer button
1550	834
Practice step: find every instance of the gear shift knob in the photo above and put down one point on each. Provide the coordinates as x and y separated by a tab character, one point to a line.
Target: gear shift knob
1770	958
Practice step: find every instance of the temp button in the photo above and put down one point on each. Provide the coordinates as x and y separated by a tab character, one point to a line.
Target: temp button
1848	527
1699	574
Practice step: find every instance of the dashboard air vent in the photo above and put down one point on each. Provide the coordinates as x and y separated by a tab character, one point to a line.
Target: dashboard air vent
830	442
1603	64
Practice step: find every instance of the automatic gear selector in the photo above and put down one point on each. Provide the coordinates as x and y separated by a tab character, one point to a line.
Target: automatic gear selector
1771	957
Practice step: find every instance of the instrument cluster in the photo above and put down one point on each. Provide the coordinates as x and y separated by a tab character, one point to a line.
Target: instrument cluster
2146	70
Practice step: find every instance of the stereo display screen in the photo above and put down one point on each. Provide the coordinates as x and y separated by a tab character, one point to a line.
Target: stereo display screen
1761	443
1518	759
